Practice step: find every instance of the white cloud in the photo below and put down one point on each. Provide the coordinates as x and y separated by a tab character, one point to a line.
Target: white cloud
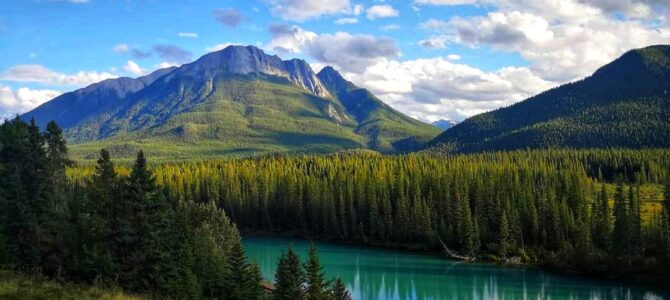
381	11
430	89
562	40
435	42
135	53
72	1
133	68
357	9
289	39
454	57
344	21
351	52
301	10
341	49
445	2
41	74
389	27
121	48
22	100
165	64
190	35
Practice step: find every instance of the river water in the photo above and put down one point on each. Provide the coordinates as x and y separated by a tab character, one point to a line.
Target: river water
373	273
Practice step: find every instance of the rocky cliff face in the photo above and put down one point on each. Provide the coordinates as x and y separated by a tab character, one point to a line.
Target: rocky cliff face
252	60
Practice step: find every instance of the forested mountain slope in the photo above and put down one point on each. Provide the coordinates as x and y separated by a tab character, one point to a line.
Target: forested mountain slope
623	104
237	101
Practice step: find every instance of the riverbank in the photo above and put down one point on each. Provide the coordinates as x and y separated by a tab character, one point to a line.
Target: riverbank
638	279
379	273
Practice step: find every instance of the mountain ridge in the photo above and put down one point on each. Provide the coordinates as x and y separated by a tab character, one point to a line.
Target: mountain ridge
236	100
623	104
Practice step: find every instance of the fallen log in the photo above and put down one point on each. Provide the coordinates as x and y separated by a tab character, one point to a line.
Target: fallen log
453	254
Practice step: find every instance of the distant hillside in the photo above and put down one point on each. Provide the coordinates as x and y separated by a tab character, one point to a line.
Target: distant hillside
237	101
624	104
444	124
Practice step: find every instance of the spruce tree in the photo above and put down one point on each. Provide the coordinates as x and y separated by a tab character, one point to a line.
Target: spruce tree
255	279
316	285
57	154
504	236
339	291
238	276
602	223
289	278
620	234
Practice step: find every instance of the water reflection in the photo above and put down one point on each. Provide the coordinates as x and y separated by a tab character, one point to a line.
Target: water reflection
380	274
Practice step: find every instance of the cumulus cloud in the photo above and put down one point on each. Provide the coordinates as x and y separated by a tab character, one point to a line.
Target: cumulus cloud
342	49
381	11
133	52
301	10
289	38
562	40
173	54
229	17
41	74
351	52
22	100
133	68
430	89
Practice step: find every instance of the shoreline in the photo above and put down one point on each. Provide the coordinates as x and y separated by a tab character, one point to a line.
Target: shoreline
659	282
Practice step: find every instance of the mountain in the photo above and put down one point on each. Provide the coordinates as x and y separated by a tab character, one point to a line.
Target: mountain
444	124
386	129
624	104
236	101
69	108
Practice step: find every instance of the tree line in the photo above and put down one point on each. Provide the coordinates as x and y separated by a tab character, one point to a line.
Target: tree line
581	211
112	229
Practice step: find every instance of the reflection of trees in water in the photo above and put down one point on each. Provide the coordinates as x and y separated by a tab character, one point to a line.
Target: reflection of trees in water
376	274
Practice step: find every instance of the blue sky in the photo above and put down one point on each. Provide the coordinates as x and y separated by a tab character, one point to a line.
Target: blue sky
428	58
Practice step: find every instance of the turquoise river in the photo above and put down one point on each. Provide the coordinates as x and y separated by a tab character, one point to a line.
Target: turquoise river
372	273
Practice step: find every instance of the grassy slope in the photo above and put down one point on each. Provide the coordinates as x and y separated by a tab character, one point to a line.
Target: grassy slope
240	117
16	286
243	116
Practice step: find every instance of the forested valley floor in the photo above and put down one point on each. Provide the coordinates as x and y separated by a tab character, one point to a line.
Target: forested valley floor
172	228
582	211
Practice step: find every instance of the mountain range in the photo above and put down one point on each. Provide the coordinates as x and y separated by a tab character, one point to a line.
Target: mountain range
624	104
241	101
236	101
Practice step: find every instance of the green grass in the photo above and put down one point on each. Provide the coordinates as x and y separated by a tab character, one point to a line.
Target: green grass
16	286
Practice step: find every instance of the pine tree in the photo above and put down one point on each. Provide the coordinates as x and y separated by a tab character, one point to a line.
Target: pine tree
665	222
57	154
289	278
238	275
602	223
620	234
339	291
255	279
504	236
316	285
